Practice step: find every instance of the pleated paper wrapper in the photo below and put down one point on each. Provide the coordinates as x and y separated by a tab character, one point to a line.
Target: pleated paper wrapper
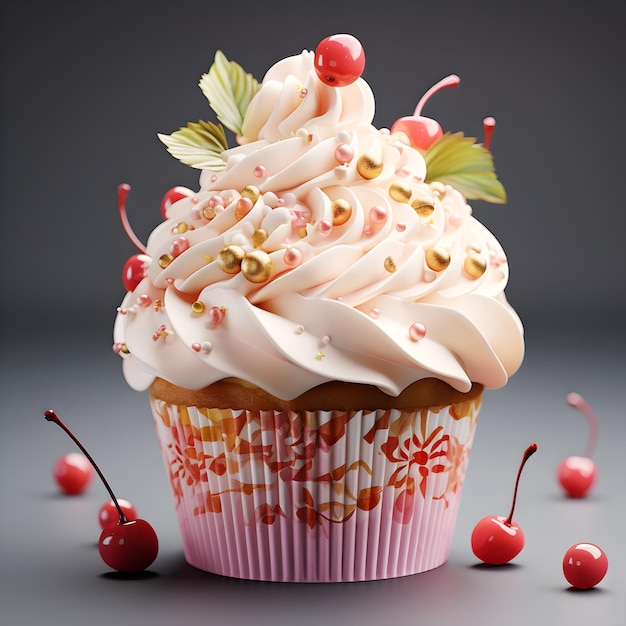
319	496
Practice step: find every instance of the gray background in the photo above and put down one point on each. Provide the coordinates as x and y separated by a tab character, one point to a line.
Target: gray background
85	89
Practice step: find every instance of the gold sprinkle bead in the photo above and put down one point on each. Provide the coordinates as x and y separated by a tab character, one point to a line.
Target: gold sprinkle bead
124	349
423	208
341	211
251	192
302	232
208	212
183	227
319	356
368	167
198	307
257	266
437	258
229	259
400	192
390	265
258	237
475	265
165	260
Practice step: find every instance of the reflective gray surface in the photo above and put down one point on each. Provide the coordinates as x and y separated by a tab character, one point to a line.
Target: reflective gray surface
51	572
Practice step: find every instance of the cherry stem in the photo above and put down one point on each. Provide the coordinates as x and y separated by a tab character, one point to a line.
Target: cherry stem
532	448
578	402
449	81
489	123
51	416
122	193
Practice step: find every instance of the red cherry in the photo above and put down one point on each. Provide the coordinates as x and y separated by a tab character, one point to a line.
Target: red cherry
578	474
421	131
497	540
108	514
339	60
135	270
129	545
173	195
73	473
585	565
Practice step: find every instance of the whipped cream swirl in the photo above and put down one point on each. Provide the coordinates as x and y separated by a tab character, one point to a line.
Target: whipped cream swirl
319	253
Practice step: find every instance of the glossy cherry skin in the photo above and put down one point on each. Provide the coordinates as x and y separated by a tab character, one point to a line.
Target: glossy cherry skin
339	60
495	542
173	195
135	270
129	547
108	514
73	473
577	475
585	565
421	132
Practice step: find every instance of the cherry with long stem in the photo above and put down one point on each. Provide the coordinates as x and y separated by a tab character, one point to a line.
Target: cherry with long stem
495	539
578	474
129	545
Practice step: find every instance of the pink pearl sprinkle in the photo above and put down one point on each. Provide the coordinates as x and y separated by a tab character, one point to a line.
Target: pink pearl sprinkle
117	347
179	245
244	205
368	230
375	313
325	226
378	214
259	171
144	300
454	220
216	315
400	227
196	347
417	331
292	257
344	153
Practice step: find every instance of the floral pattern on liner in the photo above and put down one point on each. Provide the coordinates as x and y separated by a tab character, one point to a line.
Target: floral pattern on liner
370	482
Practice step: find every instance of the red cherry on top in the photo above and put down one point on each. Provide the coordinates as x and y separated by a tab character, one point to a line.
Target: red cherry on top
497	540
173	195
135	270
108	514
128	545
578	474
421	131
585	565
73	473
339	60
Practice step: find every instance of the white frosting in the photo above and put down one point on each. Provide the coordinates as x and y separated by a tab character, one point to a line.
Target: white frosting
341	300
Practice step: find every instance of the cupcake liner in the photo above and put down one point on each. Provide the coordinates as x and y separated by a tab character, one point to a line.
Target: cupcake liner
316	496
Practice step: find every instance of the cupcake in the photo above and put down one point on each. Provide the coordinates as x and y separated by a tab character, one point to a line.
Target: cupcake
316	325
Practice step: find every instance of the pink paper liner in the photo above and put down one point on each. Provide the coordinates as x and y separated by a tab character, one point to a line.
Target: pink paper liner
319	496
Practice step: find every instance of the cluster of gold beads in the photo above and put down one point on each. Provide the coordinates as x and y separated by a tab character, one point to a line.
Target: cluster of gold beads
256	266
